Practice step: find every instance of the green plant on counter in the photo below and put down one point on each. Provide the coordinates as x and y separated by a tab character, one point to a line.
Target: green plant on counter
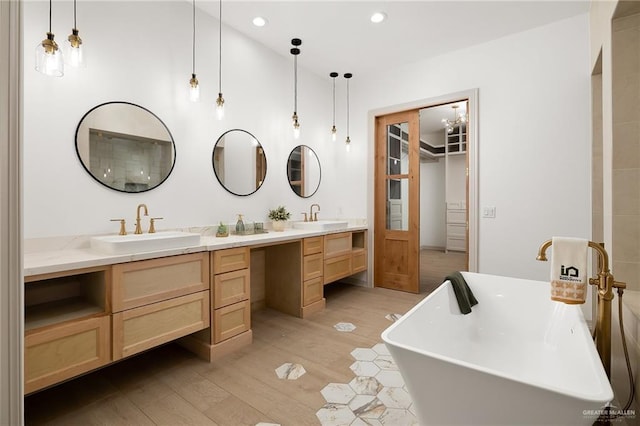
279	214
222	230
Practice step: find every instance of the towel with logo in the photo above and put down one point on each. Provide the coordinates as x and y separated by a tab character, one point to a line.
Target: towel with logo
569	270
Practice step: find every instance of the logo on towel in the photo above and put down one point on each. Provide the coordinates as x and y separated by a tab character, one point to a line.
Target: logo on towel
570	273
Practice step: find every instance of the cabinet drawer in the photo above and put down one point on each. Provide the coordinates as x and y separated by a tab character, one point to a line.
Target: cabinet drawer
312	245
230	260
459	231
231	321
142	328
312	291
459	244
231	288
312	266
144	282
359	261
337	244
60	352
336	268
456	216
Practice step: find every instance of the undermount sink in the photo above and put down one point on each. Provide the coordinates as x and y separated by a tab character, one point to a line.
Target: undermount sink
132	243
321	225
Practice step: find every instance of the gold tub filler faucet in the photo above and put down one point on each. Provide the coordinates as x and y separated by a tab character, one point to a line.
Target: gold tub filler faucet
605	283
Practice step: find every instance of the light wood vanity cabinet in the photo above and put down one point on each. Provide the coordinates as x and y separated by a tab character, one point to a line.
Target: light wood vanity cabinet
345	254
231	287
230	296
159	300
359	253
138	329
80	320
148	281
77	321
67	325
56	353
312	271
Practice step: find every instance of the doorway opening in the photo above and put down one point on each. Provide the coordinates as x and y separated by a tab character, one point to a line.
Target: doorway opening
425	215
443	192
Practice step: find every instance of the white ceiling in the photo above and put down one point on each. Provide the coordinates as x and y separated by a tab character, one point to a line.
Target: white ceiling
339	36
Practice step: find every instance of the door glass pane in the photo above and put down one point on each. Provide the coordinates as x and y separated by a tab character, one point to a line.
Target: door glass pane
398	204
397	149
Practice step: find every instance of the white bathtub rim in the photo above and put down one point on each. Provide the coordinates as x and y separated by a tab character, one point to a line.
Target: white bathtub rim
606	395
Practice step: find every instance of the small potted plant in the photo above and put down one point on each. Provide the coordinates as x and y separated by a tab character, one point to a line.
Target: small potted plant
222	231
279	217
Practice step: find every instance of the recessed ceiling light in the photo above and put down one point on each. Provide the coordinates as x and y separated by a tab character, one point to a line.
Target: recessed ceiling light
259	21
378	17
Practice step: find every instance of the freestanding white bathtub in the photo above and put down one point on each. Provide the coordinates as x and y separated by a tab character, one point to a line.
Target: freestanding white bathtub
517	359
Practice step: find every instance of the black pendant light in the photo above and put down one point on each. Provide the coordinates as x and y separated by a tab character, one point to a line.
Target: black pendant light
333	75
295	51
220	100
74	54
194	87
348	76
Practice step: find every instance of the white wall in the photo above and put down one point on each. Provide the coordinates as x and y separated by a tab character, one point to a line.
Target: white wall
533	126
534	140
432	204
140	52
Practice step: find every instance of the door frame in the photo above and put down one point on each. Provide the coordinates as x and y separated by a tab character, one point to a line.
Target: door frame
11	187
472	160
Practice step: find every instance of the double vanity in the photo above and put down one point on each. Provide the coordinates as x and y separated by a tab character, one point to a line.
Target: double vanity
88	305
91	301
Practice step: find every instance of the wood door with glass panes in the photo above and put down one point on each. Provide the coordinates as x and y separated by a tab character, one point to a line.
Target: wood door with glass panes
396	220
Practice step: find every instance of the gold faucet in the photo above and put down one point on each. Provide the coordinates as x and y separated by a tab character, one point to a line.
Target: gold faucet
313	217
123	229
152	224
605	284
146	213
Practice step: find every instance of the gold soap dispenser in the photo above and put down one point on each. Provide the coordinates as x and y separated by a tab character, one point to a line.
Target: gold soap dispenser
240	225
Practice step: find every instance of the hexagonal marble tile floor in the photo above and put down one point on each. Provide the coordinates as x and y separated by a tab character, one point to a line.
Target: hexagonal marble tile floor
376	396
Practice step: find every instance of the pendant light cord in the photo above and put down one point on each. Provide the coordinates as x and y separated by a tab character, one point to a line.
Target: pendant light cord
295	83
50	6
193	41
334	102
220	52
75	25
347	107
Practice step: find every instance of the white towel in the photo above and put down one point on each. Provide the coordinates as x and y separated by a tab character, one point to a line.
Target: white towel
569	270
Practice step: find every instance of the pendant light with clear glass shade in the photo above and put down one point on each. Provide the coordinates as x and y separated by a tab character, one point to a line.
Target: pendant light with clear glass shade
333	75
220	100
194	87
348	76
295	51
49	59
74	51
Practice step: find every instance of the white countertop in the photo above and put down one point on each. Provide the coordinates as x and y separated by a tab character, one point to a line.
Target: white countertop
43	256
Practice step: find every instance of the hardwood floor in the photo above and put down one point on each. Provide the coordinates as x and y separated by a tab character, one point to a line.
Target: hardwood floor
435	265
170	386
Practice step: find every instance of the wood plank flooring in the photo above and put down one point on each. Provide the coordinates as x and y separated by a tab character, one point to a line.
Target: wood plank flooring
170	386
436	264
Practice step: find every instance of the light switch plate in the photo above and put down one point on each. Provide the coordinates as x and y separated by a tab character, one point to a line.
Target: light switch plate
489	212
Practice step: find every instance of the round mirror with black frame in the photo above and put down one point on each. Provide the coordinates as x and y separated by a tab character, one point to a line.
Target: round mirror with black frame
239	162
125	147
303	171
